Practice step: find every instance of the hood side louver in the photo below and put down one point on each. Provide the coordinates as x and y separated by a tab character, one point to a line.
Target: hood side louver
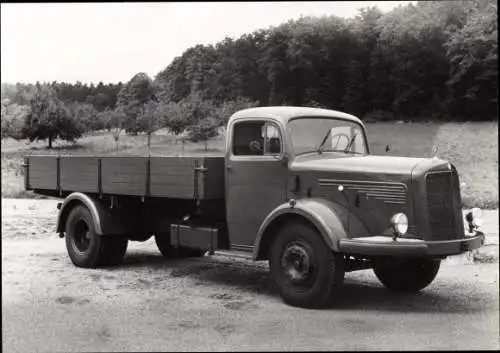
388	192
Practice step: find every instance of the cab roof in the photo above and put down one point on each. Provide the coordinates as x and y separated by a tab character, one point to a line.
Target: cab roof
284	113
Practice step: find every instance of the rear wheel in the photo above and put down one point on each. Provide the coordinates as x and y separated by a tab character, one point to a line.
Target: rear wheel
88	249
169	251
304	269
164	245
409	275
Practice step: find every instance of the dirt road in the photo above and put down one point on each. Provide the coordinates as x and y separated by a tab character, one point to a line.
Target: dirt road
218	303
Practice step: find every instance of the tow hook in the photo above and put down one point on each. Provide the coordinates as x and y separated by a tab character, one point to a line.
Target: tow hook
59	204
61	235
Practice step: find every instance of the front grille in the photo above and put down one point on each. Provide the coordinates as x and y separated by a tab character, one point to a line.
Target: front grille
440	196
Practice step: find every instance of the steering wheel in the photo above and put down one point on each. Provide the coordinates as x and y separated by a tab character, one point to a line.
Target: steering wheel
339	136
255	146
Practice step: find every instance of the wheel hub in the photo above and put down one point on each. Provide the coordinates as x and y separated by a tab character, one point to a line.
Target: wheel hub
82	236
296	263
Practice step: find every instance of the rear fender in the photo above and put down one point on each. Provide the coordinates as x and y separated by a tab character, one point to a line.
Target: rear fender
105	222
329	219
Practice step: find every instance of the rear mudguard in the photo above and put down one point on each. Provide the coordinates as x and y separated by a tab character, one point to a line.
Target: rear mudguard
329	218
104	221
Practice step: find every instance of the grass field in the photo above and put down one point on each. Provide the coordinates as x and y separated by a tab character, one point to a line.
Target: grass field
471	147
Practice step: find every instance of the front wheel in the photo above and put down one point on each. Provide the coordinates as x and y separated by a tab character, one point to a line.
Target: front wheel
88	249
304	269
409	275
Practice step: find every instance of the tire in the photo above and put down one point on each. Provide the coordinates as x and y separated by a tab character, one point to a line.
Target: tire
407	275
88	249
165	246
114	249
169	251
304	269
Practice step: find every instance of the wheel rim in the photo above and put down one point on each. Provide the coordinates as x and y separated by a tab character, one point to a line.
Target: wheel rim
81	236
297	264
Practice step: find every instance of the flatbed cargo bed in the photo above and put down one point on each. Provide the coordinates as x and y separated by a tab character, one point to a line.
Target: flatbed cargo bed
193	177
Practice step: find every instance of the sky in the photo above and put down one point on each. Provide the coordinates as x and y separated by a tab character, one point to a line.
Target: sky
111	42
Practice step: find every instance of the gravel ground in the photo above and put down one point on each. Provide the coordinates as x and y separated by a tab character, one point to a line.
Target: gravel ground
219	303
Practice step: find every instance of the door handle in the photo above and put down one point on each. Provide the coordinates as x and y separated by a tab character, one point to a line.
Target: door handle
229	167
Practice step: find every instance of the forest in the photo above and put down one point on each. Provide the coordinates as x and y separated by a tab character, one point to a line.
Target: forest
428	61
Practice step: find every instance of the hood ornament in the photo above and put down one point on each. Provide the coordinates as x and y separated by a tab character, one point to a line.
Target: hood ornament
435	150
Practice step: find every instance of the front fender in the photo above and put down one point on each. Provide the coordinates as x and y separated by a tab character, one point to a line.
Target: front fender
104	221
329	218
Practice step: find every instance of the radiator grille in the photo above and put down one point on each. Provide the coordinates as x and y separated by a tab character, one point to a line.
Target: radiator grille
440	195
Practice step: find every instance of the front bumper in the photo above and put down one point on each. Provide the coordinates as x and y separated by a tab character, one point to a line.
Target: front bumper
386	246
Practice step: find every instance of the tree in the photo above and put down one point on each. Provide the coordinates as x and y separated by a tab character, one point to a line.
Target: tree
224	111
104	118
196	108
273	63
472	51
115	123
357	98
48	118
132	98
203	131
419	66
13	116
172	82
150	119
189	111
86	115
175	117
100	101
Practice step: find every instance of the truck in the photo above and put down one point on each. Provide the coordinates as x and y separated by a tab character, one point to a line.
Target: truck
295	186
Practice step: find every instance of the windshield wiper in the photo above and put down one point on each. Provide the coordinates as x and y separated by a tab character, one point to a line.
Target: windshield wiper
320	148
349	145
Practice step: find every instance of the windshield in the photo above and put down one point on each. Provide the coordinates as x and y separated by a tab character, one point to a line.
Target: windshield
326	134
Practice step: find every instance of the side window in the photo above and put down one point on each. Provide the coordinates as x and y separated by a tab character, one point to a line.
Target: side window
256	138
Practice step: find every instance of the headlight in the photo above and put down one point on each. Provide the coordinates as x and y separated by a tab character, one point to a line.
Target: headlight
474	218
477	213
400	223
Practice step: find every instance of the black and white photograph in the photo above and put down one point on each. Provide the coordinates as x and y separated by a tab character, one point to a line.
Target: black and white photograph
250	176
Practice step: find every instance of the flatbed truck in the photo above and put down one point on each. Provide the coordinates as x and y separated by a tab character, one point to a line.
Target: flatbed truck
295	186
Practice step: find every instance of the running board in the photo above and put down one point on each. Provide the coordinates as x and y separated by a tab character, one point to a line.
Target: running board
234	253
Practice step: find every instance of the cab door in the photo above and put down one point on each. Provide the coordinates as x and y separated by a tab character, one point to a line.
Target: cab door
256	171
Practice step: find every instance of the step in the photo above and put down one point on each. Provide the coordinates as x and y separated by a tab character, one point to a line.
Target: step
234	253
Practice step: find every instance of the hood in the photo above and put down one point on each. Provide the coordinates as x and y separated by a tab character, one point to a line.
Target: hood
362	164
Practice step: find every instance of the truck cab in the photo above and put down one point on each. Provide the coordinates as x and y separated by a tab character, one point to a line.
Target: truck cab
297	187
275	155
264	147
